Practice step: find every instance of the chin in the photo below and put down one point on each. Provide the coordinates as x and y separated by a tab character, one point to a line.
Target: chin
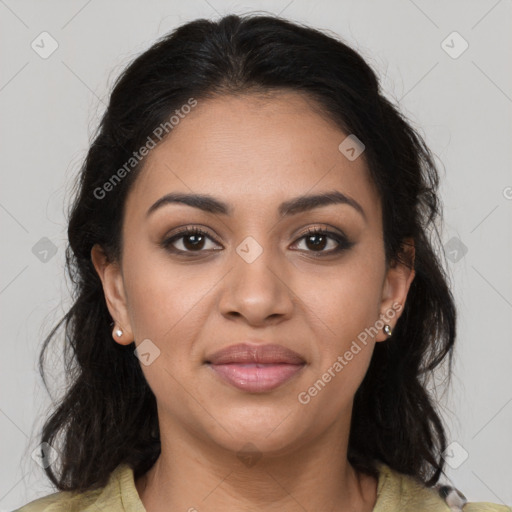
273	432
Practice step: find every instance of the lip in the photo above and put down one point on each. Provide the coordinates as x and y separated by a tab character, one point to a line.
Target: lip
255	368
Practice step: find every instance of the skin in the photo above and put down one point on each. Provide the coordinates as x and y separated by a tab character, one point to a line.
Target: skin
252	152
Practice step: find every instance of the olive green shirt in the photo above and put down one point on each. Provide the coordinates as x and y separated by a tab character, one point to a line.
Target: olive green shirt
395	492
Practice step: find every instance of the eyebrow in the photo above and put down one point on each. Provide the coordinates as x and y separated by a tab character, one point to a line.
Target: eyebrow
293	206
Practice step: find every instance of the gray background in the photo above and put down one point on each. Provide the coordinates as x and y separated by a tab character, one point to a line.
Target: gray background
460	103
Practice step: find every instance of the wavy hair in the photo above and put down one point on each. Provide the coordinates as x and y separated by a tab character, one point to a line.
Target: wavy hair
108	415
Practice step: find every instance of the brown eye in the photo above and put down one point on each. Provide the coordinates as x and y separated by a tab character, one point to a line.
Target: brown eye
191	240
316	240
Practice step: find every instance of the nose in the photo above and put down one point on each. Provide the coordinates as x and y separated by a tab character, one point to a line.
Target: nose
258	289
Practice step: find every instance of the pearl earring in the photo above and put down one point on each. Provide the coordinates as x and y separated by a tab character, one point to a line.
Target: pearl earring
119	333
387	330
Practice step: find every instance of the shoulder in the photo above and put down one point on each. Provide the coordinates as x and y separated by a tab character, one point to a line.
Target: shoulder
112	497
398	491
61	501
458	502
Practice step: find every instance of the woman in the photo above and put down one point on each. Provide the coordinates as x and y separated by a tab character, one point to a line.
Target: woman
259	301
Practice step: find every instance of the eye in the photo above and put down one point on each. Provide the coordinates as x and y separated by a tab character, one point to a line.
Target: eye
318	239
191	239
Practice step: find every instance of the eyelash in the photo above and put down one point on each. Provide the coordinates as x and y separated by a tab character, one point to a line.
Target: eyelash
343	242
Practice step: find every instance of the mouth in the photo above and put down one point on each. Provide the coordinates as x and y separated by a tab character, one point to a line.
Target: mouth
255	368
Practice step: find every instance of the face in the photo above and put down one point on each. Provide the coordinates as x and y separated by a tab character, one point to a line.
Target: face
255	274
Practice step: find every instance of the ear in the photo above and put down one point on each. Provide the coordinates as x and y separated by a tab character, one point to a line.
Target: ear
396	286
113	289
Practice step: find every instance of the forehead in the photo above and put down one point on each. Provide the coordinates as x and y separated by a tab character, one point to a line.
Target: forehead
253	150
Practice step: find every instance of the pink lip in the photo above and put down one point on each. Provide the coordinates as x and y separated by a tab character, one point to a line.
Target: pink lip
256	368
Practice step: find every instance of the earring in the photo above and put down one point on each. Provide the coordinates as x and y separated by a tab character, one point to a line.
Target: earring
119	333
387	330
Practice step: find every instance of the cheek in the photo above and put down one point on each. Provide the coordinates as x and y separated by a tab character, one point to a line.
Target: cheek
163	296
346	298
167	305
340	318
342	305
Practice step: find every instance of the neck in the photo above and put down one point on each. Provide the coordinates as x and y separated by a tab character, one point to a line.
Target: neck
192	475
